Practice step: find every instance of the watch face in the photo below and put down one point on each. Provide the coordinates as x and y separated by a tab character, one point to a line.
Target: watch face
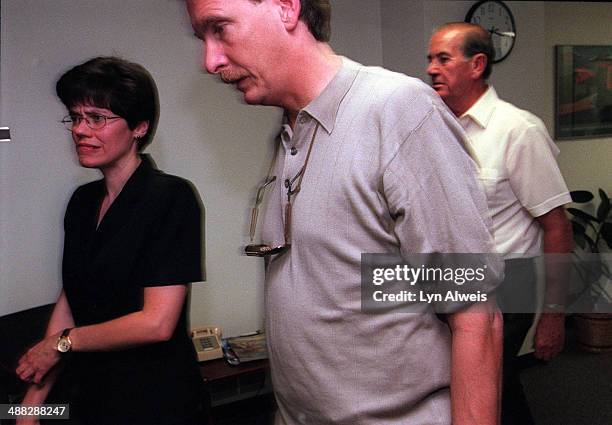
64	345
495	17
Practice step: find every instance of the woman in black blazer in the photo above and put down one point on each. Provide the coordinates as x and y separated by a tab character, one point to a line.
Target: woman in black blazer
132	245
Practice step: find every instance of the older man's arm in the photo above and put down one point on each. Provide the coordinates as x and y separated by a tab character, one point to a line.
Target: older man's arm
550	331
477	340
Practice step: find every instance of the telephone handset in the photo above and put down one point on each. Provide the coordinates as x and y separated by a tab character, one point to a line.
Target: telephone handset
206	341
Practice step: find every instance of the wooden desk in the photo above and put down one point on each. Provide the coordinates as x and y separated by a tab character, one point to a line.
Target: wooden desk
213	370
237	394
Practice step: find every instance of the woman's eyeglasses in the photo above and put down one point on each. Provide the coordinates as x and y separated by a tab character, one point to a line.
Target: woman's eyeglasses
93	121
264	250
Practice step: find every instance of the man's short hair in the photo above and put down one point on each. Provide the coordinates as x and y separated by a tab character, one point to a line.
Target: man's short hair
317	15
476	40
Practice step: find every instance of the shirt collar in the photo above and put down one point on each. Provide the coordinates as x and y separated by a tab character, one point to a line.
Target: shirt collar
481	111
127	201
324	108
136	183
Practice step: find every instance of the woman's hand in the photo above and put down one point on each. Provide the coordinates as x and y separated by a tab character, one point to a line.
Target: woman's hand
39	360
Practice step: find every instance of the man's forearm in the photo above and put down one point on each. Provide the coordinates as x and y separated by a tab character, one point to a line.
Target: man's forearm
550	331
557	239
477	338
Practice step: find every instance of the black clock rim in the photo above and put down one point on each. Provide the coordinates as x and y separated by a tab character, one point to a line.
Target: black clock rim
476	5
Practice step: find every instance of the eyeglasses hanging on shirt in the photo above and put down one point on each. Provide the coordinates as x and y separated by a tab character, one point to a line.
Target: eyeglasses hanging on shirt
293	186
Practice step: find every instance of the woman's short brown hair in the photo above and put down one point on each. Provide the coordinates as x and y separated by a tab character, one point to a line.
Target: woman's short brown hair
109	82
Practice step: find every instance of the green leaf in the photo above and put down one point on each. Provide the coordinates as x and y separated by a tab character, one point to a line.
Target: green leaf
581	214
591	271
577	228
606	233
578	231
591	243
581	196
579	239
604	206
605	269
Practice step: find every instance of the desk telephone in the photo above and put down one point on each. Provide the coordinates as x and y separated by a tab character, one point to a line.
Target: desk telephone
206	341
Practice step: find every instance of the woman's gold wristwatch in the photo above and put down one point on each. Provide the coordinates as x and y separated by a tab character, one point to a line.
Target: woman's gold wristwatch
64	344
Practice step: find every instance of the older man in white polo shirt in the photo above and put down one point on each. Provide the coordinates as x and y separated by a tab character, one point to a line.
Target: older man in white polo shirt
525	192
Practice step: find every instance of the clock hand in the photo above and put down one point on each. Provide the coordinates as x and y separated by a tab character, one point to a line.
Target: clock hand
502	33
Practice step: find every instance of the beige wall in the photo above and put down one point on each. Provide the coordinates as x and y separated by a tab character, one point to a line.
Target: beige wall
205	134
586	163
526	77
407	26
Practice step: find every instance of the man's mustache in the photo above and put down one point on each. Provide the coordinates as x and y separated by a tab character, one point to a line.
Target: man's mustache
229	77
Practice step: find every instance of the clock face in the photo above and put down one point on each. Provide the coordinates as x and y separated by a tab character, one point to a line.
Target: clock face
495	17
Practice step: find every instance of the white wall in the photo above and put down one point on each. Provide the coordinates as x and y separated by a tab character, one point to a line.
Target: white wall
356	30
205	134
408	26
526	77
403	35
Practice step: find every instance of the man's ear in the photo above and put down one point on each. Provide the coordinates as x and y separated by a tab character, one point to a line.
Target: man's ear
290	13
479	64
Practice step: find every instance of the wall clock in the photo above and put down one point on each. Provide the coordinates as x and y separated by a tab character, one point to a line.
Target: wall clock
496	18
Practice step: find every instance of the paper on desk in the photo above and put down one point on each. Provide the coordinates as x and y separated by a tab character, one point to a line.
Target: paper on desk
248	348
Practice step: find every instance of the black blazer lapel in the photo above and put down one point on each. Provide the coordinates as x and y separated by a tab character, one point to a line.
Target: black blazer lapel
124	209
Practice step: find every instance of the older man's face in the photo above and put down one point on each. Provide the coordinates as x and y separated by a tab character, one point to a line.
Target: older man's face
448	68
240	44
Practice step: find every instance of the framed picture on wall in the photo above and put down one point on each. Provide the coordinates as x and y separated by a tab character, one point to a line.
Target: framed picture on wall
583	107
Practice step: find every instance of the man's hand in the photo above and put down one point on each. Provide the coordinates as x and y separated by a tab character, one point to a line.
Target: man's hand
550	335
38	360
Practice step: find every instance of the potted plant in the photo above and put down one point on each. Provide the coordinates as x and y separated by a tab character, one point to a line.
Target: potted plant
592	234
